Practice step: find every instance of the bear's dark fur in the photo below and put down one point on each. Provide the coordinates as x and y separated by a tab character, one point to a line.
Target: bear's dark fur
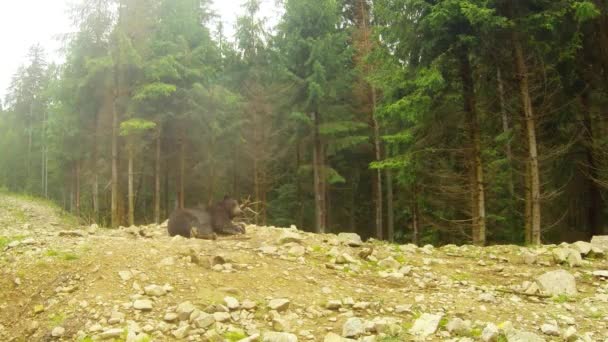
205	223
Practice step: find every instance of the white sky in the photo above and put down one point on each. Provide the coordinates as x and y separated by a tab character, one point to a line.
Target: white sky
24	23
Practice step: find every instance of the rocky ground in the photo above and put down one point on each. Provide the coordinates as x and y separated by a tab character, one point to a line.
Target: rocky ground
63	282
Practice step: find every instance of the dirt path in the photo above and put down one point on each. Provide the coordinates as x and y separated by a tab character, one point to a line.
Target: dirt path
82	283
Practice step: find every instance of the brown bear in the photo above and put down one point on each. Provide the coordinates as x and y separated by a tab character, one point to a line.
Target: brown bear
206	223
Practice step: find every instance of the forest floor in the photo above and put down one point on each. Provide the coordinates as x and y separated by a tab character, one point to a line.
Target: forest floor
61	281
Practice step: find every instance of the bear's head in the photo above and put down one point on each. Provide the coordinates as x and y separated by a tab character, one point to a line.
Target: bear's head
231	206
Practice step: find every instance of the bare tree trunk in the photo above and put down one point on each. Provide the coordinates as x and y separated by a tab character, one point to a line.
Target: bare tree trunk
131	195
390	215
95	184
78	188
256	187
182	171
415	216
114	201
530	122
378	178
353	199
300	213
157	172
595	206
505	128
318	167
477	184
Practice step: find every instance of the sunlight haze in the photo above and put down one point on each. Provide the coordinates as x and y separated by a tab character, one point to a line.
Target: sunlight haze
28	22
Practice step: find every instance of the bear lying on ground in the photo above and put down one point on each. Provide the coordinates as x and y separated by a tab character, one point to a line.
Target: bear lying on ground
206	223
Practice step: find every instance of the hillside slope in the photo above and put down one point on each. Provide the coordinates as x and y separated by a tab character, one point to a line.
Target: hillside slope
59	281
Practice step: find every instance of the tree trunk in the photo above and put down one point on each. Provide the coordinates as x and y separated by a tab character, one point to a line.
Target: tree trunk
378	176
415	216
477	186
114	201
530	123
300	213
390	213
157	172
595	206
318	167
95	183
131	195
505	128
78	188
353	199
182	172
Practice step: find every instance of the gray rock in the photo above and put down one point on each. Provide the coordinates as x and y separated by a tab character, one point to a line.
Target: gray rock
125	275
274	336
248	304
549	329
297	251
426	325
353	327
600	241
116	317
459	327
570	256
529	258
350	239
155	290
279	304
582	247
181	332
514	335
142	304
601	274
333	304
570	334
184	310
389	262
57	332
111	333
221	316
557	282
486	297
170	317
289	236
204	320
232	303
490	333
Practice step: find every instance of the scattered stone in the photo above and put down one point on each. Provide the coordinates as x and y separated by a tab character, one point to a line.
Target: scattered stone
297	251
601	274
184	310
274	336
389	263
514	335
426	325
529	258
181	332
549	329
221	316
350	239
204	320
170	317
459	327
232	303
490	333
125	275
116	317
562	255
353	327
582	247
557	282
280	304
600	241
248	304
142	304
57	332
289	236
333	305
111	333
487	297
570	334
155	290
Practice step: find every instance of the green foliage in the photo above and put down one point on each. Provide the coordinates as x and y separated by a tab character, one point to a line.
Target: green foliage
135	126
